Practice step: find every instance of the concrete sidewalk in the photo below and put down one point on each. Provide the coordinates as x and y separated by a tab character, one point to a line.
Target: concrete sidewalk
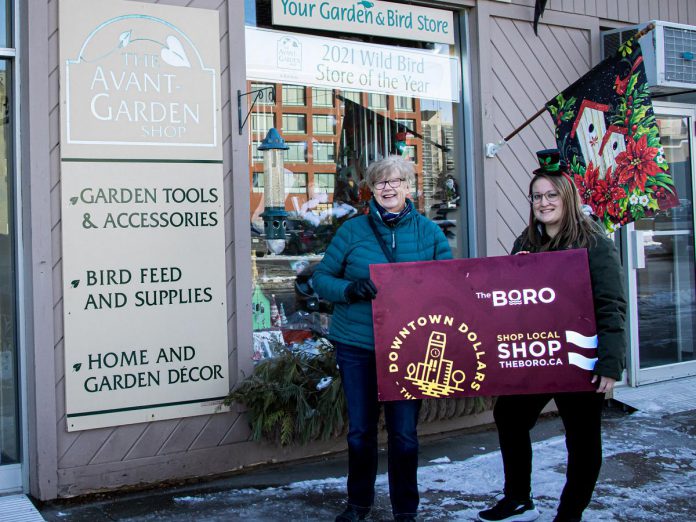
649	474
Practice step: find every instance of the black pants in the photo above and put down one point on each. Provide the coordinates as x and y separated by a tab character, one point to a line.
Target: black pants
581	414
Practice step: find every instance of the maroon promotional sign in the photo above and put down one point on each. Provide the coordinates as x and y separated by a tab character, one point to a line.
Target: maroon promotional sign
493	326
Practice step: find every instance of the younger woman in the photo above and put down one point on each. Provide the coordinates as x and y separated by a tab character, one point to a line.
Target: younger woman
557	222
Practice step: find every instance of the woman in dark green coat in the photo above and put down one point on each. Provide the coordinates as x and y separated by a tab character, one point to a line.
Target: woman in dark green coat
557	222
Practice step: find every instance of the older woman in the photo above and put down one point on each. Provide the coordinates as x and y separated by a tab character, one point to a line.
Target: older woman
557	222
393	229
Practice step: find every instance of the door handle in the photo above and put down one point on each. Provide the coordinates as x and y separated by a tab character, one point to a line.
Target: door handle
638	249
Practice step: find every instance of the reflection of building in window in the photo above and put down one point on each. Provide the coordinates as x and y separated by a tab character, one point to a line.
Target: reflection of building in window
296	153
294	95
256	154
322	97
262	122
265	98
377	101
408	123
257	182
354	96
324	182
409	152
403	103
294	124
438	158
324	152
324	124
296	182
345	136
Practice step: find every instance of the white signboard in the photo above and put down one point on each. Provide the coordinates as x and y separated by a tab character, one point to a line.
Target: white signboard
396	20
144	280
139	75
326	62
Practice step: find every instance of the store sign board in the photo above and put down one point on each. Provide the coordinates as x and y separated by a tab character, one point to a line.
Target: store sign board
139	76
373	17
483	327
144	276
275	56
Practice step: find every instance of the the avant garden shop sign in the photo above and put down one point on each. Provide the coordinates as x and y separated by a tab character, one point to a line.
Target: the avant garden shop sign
145	314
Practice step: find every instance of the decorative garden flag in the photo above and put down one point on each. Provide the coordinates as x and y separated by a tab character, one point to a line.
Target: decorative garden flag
607	132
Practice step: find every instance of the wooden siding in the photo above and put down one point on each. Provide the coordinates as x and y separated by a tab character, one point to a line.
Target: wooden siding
118	453
519	72
516	72
624	11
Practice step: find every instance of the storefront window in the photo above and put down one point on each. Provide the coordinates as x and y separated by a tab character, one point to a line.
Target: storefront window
324	124
294	124
403	103
261	123
5	24
294	95
343	131
324	152
377	101
322	97
296	153
264	96
9	418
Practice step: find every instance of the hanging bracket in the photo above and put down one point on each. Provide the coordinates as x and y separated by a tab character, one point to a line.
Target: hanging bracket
264	93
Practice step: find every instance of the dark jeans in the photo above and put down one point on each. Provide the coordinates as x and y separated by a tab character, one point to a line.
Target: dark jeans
359	376
581	414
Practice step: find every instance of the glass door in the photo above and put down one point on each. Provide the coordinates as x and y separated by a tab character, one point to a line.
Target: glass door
662	276
11	471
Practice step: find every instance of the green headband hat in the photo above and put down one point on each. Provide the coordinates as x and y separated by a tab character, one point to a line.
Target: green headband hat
550	163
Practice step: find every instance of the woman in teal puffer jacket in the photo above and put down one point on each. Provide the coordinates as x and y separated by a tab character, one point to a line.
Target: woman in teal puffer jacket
343	277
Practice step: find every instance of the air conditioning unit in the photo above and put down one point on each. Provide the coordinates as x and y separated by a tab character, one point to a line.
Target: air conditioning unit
669	54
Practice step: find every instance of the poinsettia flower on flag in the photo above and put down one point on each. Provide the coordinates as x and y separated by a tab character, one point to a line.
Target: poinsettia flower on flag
607	132
637	163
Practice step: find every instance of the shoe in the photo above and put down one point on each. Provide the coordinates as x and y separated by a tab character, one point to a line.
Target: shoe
352	514
509	510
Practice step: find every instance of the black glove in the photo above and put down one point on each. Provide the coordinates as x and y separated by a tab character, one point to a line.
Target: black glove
361	290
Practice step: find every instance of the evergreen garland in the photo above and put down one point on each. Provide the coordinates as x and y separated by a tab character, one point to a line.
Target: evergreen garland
284	405
283	402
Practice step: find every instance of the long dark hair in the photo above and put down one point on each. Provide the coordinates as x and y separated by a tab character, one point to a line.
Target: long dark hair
577	230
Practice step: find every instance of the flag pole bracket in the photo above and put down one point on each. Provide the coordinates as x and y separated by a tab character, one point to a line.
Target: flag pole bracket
492	149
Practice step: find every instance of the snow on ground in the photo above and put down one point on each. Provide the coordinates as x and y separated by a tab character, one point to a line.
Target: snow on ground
649	474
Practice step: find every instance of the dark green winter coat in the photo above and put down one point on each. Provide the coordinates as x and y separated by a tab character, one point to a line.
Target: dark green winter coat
348	258
609	295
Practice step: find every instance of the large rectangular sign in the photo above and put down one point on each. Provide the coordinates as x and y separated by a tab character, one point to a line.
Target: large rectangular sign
396	20
138	76
142	213
482	327
275	56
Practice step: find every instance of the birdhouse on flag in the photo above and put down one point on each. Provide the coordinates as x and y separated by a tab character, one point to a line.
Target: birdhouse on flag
590	128
613	143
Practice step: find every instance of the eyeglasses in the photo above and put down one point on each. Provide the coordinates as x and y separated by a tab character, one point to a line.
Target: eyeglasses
393	183
551	196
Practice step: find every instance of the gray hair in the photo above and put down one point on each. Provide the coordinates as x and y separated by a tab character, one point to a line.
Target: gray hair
381	169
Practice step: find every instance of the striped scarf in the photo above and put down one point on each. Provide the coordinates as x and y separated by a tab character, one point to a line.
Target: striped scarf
390	218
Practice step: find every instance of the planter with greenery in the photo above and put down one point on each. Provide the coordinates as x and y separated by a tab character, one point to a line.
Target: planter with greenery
295	397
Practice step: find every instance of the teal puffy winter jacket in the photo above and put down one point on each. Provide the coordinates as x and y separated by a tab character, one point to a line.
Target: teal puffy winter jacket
353	249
